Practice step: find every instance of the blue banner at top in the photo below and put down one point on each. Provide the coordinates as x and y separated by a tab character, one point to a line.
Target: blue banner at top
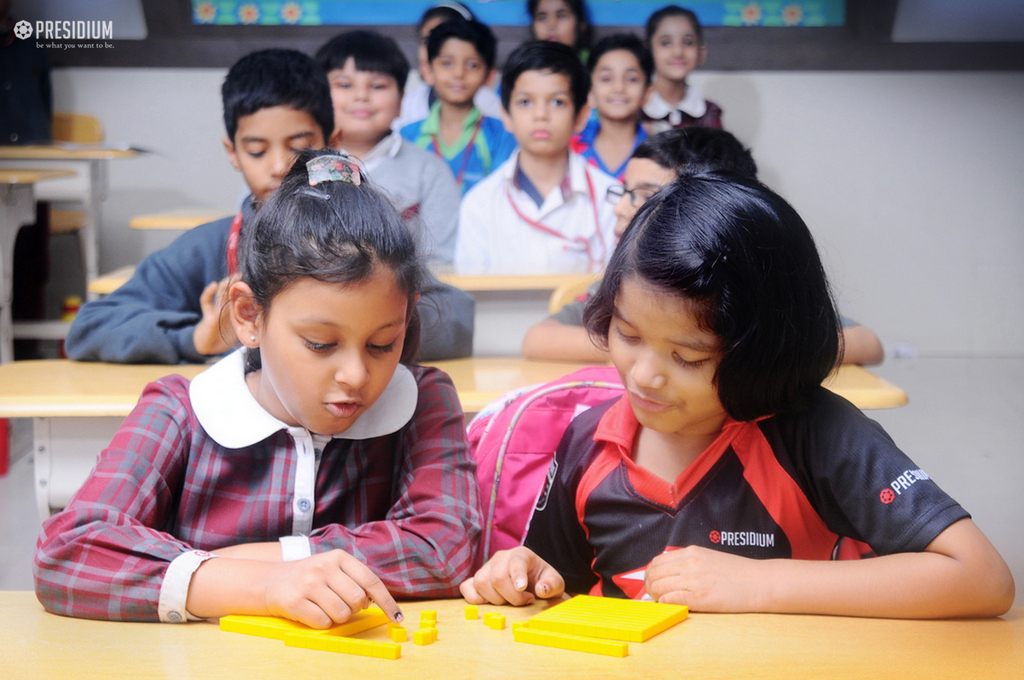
508	12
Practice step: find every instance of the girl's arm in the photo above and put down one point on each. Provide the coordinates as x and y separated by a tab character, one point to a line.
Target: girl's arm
959	574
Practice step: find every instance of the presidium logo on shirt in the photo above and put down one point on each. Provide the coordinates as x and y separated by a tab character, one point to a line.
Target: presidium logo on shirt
900	484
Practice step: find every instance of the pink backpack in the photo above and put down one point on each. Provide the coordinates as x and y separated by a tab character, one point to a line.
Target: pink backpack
514	439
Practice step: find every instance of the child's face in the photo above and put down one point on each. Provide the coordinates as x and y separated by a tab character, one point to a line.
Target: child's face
328	350
266	143
643	177
676	49
667	362
540	113
618	87
457	72
554	21
365	103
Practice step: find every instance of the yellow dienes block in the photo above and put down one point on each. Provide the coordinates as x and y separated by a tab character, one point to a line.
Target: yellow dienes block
424	636
495	621
427	623
428	615
398	634
344	645
472	613
610	618
574	642
277	628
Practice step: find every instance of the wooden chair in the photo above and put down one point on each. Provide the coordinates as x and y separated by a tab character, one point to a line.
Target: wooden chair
567	292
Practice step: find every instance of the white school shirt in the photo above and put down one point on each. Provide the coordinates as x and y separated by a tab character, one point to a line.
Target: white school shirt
494	239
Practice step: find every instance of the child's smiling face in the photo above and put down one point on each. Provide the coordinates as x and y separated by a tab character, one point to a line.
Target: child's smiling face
365	104
328	350
676	49
457	72
541	114
618	86
666	360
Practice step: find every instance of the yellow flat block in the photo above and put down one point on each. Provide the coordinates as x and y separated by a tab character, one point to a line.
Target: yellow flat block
610	618
277	628
344	645
472	613
574	642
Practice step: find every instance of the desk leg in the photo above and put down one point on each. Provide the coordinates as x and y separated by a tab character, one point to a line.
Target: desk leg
65	451
88	235
17	208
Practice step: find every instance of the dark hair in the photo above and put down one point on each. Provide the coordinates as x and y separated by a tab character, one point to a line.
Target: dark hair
371	51
673	11
698	149
475	33
584	26
552	57
446	11
262	80
335	232
748	264
622	41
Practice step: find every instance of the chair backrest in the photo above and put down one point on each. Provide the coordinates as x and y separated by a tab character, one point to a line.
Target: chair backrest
77	128
513	440
567	292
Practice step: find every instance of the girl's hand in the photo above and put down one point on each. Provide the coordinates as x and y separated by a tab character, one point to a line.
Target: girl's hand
515	577
208	337
706	580
325	589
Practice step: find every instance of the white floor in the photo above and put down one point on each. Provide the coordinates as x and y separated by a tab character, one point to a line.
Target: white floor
964	426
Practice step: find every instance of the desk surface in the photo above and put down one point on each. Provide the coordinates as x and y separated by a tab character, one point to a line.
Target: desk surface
185	218
705	646
65	152
55	388
108	283
511	283
30	176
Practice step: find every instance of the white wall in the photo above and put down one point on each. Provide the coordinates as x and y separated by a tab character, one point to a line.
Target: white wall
913	183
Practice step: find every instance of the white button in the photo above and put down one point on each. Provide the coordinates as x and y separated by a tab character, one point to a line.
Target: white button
304	504
174	617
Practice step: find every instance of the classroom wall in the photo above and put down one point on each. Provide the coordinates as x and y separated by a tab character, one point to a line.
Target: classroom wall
911	182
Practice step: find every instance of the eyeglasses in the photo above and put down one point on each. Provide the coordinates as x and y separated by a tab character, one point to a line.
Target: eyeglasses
637	197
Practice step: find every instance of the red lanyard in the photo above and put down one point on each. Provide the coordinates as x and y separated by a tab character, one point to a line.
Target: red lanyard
465	155
557	234
233	236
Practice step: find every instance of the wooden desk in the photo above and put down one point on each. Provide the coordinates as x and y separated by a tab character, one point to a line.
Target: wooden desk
77	406
88	186
108	283
17	208
506	306
36	644
185	218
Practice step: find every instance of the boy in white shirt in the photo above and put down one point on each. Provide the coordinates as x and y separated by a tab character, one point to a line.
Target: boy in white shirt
543	210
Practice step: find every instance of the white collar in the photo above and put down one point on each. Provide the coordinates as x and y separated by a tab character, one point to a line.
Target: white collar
234	419
385	148
577	171
693	104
